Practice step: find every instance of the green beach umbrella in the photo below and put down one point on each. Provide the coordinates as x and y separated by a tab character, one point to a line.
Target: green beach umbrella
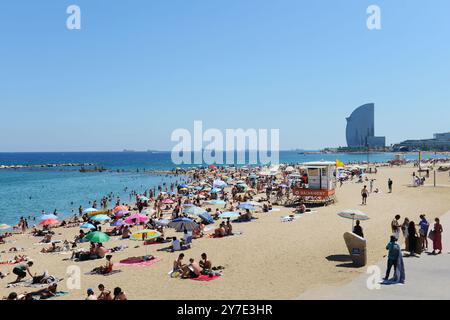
97	237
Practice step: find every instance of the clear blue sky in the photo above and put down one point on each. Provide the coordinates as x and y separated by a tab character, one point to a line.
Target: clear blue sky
139	69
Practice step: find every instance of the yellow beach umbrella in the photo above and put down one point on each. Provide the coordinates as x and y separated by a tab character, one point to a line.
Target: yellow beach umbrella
144	235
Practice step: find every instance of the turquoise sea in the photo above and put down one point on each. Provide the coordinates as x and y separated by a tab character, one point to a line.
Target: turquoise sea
26	192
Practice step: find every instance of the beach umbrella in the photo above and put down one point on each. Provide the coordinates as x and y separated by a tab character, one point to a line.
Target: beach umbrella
48	222
183	186
215	190
97	237
198	188
205	216
181	224
136	218
144	235
144	199
90	210
48	216
354	215
119	208
118	223
194	210
162	222
168	201
216	202
219	184
121	213
4	226
87	226
99	217
229	214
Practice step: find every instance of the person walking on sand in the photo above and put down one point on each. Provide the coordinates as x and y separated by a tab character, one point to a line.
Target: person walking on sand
390	183
437	237
364	195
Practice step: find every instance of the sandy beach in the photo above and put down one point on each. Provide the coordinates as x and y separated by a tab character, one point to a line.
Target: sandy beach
269	260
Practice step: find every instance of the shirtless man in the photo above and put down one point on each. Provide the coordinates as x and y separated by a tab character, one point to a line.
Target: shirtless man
205	264
104	294
193	270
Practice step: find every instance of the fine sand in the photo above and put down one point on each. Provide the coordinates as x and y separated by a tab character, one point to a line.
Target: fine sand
270	260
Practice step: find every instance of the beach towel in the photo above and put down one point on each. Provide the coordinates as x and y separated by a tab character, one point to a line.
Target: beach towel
275	210
204	277
30	284
235	233
91	273
138	262
57	294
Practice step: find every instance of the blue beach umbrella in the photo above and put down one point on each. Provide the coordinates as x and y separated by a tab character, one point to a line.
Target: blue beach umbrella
205	216
100	217
87	226
194	210
181	186
181	224
215	190
118	223
229	214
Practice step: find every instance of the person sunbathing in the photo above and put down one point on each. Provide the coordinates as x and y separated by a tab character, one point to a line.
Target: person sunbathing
205	264
220	231
52	248
107	268
229	228
104	293
178	264
126	232
47	238
193	270
46	293
119	294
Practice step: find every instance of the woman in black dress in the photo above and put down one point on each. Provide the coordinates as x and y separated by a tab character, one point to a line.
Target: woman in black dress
412	238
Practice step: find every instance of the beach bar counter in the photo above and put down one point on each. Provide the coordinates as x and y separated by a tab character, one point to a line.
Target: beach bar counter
321	183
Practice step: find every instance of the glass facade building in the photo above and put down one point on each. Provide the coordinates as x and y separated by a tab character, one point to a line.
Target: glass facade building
360	130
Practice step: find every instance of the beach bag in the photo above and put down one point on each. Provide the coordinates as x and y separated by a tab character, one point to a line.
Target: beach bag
431	235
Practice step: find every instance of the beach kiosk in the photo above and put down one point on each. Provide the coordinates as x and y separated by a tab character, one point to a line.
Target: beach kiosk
321	186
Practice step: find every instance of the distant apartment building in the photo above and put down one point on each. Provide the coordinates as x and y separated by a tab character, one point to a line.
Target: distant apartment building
440	142
360	130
